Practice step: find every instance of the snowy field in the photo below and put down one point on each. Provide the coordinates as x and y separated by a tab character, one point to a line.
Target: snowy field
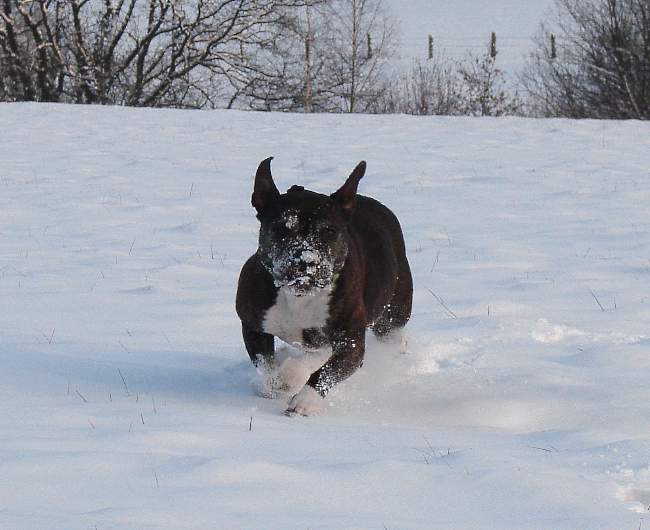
126	396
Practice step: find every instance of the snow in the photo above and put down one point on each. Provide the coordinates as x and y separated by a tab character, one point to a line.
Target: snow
127	399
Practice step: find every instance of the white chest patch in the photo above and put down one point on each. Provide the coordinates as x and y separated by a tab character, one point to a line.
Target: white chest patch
292	314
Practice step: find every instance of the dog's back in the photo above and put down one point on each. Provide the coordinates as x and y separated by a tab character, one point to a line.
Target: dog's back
388	283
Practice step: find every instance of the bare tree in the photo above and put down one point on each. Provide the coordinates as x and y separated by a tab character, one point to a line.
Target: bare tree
362	44
593	60
286	72
131	52
326	56
31	60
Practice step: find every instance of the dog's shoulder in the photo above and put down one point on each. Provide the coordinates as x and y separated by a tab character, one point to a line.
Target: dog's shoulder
367	208
372	219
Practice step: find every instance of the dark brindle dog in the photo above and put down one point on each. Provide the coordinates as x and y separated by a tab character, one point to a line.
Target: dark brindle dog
327	268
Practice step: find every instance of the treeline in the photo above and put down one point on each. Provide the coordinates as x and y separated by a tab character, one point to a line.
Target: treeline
592	59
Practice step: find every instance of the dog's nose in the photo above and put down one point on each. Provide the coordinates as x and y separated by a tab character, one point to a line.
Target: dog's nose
309	257
305	259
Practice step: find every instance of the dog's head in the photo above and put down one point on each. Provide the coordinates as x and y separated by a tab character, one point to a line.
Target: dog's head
303	239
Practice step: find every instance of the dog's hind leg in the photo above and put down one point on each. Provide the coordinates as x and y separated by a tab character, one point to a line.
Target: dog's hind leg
398	311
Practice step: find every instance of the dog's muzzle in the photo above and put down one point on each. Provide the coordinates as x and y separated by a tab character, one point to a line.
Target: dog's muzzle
303	271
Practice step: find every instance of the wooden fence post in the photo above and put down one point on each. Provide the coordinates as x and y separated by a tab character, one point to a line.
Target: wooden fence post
493	45
553	48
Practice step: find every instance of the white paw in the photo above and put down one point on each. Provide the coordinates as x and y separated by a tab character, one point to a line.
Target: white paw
293	373
287	379
307	402
266	383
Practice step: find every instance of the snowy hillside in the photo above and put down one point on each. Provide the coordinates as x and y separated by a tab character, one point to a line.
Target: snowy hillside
126	396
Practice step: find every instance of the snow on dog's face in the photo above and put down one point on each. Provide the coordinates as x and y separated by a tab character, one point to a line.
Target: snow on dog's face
303	242
303	235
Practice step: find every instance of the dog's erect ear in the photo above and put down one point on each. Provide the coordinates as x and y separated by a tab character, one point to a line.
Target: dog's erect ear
347	193
264	189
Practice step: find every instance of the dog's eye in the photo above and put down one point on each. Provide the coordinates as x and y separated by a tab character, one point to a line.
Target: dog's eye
328	233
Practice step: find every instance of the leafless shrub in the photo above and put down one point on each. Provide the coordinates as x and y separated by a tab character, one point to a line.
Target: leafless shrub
592	61
484	88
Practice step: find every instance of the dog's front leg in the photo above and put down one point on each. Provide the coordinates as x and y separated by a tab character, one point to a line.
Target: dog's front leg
259	345
261	349
347	357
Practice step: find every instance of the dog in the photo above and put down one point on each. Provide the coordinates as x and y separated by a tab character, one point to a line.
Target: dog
326	269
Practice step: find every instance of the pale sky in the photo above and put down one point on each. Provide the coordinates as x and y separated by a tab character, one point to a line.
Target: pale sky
458	25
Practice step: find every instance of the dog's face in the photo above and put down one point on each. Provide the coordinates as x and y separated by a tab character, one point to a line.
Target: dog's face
303	243
303	238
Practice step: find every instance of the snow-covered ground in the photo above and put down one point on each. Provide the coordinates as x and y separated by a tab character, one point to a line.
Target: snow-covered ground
127	399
